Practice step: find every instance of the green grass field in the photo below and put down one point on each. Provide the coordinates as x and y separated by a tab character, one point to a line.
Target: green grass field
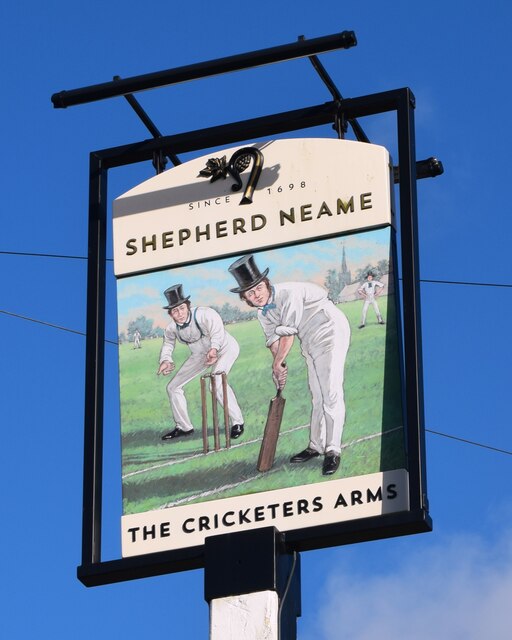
156	473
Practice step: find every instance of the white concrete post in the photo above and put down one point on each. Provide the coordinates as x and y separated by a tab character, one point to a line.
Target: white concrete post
252	616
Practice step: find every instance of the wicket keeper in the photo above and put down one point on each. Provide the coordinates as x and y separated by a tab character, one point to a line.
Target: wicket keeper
202	330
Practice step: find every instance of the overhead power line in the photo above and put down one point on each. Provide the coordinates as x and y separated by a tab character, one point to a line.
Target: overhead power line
49	324
423	280
82	333
472	442
45	255
41	255
468	284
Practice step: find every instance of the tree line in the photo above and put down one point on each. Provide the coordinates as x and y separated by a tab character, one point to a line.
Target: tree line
228	312
334	279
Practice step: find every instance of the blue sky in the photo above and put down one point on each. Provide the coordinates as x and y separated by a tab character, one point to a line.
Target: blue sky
454	582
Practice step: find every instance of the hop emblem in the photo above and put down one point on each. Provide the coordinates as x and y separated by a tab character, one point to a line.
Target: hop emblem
242	163
215	169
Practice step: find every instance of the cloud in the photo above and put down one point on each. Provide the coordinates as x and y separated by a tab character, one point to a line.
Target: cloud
459	589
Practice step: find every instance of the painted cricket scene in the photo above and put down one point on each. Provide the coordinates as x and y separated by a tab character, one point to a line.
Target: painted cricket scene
267	370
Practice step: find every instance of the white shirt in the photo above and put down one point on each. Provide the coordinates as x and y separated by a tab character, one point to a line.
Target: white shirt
370	289
295	308
204	330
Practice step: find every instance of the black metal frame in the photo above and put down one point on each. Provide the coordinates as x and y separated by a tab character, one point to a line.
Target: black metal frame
122	86
339	112
93	571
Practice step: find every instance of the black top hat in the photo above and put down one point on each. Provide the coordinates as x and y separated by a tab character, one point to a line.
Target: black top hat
174	296
246	273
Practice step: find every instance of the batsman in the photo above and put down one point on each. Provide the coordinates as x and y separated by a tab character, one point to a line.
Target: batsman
303	310
210	345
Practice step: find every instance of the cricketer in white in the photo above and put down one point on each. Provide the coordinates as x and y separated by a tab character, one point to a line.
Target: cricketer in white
303	309
202	330
370	290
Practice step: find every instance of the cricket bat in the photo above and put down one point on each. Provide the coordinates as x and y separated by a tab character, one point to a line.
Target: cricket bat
271	433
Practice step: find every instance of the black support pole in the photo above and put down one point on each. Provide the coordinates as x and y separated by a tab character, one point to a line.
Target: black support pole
94	367
251	562
411	295
301	49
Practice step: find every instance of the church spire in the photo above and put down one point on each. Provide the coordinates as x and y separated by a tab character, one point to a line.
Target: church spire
344	262
345	275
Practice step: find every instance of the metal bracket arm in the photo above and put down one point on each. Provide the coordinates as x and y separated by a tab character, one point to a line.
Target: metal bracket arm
159	161
333	90
343	40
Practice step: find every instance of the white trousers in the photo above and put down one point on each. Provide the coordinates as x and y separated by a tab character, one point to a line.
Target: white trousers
325	357
375	306
193	367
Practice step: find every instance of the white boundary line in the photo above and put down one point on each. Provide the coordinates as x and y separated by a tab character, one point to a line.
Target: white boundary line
200	455
205	494
243	444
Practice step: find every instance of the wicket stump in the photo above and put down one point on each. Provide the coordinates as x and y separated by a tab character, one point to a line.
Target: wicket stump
215	413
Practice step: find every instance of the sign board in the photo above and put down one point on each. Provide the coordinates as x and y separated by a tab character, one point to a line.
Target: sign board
253	268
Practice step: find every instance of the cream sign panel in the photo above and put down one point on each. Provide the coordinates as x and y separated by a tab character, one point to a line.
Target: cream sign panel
262	195
286	509
259	344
